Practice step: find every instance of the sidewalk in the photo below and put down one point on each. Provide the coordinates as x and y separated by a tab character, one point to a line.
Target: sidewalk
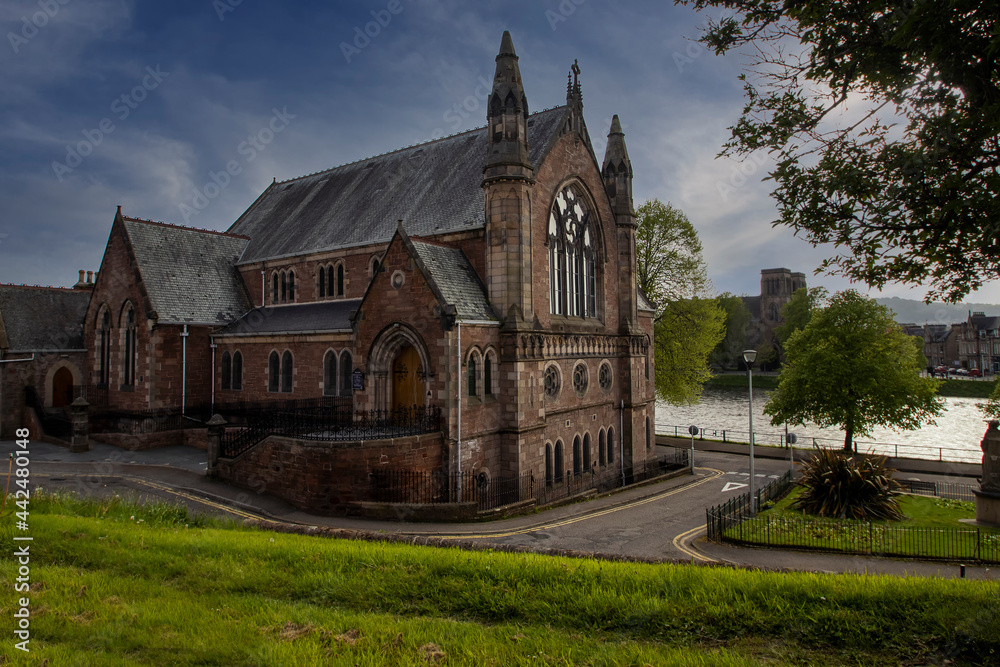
177	474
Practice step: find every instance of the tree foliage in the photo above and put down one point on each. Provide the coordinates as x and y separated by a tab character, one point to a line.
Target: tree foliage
689	323
798	311
884	121
729	351
668	262
853	367
684	335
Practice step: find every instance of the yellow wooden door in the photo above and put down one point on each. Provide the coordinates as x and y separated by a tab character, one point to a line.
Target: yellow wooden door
405	382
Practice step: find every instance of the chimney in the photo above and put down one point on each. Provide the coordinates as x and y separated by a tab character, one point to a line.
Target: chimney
90	277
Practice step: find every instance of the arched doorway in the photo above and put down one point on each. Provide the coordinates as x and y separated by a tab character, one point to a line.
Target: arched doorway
407	381
62	387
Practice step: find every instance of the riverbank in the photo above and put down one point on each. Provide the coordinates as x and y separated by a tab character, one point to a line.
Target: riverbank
970	388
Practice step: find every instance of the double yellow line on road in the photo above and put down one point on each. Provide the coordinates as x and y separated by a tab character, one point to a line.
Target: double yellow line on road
166	489
713	474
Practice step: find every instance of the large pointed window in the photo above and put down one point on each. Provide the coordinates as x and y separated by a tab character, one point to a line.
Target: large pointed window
572	256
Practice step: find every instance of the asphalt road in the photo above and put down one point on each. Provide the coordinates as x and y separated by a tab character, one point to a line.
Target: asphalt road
659	521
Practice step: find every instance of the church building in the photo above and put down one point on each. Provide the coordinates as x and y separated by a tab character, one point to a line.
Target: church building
488	276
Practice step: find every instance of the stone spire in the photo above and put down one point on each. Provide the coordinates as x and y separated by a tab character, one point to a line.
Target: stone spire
507	119
617	171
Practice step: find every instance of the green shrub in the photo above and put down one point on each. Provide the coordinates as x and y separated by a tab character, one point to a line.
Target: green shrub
838	484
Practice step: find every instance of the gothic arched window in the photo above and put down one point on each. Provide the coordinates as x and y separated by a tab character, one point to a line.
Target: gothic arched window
572	256
128	348
104	362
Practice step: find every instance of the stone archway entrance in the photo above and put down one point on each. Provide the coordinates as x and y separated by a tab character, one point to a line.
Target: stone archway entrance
407	383
62	387
399	368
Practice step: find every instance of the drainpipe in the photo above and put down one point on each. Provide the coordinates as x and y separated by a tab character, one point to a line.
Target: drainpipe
621	441
184	365
213	346
458	402
263	288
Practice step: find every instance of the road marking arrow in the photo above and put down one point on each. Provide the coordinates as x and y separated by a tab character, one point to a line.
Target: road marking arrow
733	485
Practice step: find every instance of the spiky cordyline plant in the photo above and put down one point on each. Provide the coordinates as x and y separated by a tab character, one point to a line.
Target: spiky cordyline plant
838	484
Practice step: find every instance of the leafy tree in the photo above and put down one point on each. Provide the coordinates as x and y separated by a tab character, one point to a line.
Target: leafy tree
798	311
688	323
884	121
668	262
853	367
729	351
684	335
991	408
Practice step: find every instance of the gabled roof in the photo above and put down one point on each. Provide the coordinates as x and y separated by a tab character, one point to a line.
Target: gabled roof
433	187
453	279
323	316
34	319
189	274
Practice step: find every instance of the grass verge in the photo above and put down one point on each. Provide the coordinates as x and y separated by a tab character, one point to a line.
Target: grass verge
931	529
116	587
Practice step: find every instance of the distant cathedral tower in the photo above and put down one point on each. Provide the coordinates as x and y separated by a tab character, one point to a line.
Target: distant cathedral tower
776	289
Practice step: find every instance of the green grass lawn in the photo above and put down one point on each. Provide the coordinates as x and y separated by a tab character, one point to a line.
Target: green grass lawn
931	529
116	584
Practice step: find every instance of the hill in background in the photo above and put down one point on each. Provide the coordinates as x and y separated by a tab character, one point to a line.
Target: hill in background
911	311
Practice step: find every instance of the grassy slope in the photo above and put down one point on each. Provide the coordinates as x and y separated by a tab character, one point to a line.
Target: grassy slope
138	586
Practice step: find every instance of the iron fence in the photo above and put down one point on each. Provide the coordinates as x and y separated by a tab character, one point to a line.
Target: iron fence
731	522
736	510
491	492
777	438
868	538
330	424
54	422
953	490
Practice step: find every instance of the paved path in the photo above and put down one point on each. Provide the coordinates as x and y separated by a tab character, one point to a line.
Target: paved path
661	521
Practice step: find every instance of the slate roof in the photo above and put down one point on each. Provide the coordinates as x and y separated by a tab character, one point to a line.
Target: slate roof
433	187
295	318
42	318
459	284
189	274
984	322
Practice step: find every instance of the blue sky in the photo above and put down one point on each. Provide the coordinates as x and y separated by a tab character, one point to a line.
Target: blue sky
184	111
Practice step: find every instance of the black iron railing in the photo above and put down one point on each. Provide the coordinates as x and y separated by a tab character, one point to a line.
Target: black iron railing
330	425
55	422
720	518
490	492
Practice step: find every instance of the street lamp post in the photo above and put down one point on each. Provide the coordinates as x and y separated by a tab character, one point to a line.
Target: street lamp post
693	430
750	356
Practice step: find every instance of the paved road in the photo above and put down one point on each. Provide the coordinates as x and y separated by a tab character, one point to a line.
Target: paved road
661	521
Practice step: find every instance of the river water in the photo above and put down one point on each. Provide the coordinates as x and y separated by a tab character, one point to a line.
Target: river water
723	413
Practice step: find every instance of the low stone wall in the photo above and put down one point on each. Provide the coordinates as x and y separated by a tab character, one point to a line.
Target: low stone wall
189	437
325	477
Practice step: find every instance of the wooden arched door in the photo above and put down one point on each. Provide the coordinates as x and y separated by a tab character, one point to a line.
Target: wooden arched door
406	383
62	388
